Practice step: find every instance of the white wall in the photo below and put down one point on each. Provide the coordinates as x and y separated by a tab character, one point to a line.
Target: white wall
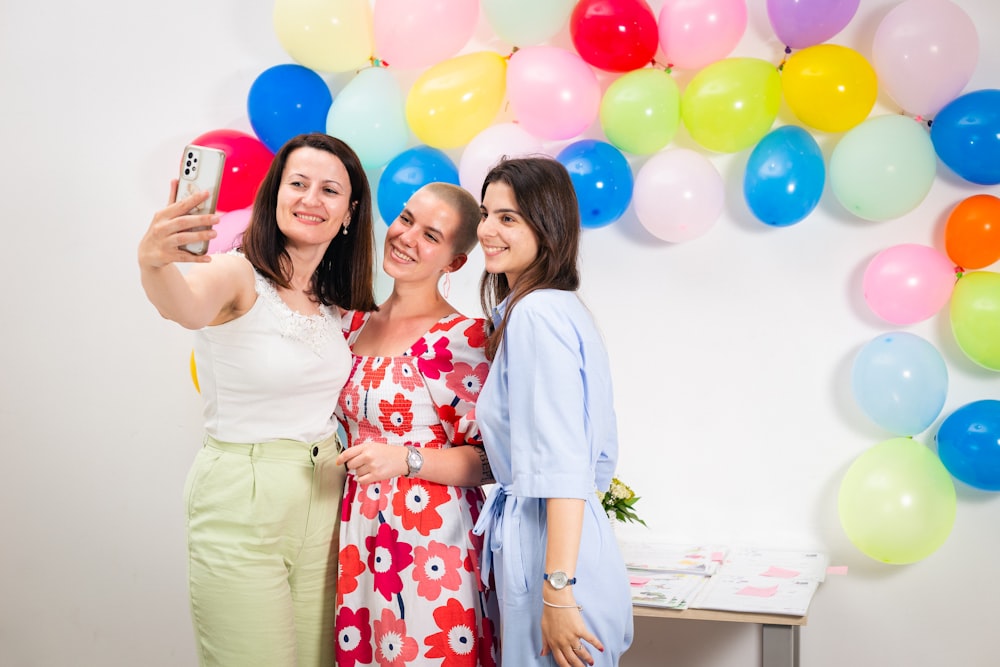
732	357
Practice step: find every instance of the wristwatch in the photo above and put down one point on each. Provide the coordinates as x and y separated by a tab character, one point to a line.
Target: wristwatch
414	461
558	580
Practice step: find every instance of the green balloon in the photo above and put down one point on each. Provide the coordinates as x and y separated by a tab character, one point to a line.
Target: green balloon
975	317
731	104
897	502
640	111
883	167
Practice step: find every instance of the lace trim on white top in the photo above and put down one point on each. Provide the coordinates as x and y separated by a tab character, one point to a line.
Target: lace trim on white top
315	331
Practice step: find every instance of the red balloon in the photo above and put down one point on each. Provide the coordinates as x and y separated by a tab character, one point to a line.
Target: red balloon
247	161
614	35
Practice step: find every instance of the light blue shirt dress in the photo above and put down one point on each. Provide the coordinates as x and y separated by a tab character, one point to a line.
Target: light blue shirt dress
546	414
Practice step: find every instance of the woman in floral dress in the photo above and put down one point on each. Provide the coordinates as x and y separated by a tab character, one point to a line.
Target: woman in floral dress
409	590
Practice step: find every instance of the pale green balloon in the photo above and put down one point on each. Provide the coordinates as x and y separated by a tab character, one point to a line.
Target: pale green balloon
897	502
527	22
640	111
731	104
975	317
883	168
369	115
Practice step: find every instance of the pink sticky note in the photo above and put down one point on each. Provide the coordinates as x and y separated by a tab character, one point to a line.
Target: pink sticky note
758	592
717	556
779	572
638	581
837	569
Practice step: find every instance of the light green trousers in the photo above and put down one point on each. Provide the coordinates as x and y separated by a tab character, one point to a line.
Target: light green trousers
263	524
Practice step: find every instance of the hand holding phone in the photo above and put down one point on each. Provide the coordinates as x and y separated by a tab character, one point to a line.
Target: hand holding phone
201	170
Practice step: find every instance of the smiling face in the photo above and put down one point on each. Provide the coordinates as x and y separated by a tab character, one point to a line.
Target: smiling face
509	243
314	197
419	244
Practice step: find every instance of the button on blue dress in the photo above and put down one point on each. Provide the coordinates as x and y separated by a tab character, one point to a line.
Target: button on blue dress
546	414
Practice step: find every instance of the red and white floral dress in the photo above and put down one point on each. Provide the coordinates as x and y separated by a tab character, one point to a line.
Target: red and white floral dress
409	589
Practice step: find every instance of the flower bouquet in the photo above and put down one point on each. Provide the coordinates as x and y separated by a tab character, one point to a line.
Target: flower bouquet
619	502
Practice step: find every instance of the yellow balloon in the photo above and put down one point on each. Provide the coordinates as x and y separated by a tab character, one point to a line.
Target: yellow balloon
326	35
829	87
456	99
194	374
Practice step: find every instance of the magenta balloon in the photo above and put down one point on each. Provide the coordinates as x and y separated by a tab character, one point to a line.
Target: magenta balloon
802	23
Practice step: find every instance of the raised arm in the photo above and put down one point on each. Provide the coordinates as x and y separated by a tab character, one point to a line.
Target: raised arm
219	289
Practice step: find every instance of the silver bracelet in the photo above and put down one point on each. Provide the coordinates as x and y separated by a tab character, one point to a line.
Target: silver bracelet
578	607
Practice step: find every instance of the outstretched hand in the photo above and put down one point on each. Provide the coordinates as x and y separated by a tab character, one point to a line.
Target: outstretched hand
373	461
171	229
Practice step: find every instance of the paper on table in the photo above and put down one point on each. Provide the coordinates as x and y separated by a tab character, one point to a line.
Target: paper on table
670	590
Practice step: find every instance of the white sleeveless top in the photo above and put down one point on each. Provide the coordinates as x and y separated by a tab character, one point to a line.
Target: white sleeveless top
272	373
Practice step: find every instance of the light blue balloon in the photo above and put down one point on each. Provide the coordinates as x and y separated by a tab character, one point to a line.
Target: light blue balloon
408	172
969	444
527	22
883	168
784	176
966	136
900	381
369	114
602	179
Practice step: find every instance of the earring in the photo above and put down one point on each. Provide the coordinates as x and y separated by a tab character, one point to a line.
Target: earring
446	286
345	230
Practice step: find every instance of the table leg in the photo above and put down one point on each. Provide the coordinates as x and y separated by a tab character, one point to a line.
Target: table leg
779	645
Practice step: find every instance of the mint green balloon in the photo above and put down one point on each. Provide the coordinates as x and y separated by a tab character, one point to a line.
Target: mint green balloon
369	114
883	167
731	104
897	502
641	110
527	22
975	317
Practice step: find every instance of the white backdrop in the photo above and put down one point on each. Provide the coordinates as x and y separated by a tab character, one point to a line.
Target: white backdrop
732	357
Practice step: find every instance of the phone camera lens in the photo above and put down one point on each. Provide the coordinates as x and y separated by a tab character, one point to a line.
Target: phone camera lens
187	172
190	155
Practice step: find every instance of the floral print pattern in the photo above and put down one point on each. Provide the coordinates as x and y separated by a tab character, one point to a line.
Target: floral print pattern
409	587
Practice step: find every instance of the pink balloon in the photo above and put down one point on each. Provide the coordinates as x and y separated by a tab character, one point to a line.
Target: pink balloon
908	283
799	23
695	33
553	93
678	195
924	53
230	226
414	35
486	149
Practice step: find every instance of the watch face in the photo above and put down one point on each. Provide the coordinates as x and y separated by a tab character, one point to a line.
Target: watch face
558	580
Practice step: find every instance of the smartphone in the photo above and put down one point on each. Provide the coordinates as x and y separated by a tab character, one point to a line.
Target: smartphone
201	169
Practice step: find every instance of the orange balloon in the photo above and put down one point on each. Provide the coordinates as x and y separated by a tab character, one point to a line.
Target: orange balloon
972	233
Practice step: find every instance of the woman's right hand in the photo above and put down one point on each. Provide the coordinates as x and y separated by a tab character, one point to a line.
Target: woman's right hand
170	229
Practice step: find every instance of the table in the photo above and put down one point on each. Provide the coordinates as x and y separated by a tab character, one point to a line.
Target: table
779	634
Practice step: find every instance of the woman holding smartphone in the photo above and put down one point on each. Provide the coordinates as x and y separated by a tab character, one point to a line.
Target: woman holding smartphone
264	492
547	418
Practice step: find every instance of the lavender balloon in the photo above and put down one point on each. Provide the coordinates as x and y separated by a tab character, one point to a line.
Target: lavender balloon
800	24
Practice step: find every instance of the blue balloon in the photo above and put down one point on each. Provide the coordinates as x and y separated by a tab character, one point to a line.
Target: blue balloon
966	136
784	176
286	101
969	444
602	179
408	172
900	381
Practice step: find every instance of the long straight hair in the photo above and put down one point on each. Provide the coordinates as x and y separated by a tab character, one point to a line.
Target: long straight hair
345	275
543	191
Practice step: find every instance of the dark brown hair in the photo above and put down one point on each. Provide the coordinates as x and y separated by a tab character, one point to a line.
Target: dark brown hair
543	191
345	275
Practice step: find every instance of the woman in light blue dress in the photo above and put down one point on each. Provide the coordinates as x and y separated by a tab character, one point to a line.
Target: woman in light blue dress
547	419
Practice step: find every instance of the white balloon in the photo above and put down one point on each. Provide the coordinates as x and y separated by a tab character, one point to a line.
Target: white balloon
678	195
486	149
